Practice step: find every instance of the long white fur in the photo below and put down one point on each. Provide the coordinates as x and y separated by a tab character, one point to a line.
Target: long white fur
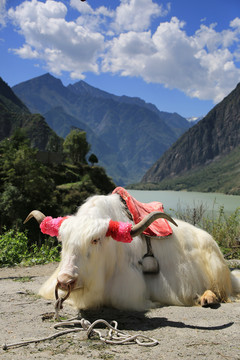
109	272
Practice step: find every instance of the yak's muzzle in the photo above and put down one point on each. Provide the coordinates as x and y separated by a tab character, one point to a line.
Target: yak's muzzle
66	281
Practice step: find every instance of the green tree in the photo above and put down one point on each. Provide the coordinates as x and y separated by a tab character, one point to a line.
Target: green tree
25	183
93	159
54	144
76	146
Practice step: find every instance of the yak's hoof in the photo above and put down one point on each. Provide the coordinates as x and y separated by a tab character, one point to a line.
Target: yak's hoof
208	299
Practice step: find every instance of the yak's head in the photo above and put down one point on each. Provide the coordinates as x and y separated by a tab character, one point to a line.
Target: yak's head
87	241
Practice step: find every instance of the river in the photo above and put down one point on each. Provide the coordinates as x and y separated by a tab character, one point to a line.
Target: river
172	199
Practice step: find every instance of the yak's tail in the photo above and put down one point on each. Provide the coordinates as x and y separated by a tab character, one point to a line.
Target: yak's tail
235	278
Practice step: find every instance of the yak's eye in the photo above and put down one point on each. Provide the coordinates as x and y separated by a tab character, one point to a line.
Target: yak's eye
95	241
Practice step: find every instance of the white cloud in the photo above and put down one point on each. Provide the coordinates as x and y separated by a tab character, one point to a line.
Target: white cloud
2	12
201	65
165	57
135	15
121	41
235	23
26	52
127	54
63	45
93	20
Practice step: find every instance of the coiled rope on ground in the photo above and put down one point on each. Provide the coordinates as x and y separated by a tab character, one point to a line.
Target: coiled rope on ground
114	336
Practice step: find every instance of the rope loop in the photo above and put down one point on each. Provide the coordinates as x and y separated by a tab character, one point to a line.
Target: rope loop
60	300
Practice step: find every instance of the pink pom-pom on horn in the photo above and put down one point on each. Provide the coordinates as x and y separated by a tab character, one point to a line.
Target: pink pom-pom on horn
51	226
120	231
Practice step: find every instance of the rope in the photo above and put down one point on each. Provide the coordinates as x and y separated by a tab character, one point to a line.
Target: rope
113	337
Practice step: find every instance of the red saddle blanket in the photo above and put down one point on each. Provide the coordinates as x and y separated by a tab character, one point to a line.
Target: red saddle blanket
159	227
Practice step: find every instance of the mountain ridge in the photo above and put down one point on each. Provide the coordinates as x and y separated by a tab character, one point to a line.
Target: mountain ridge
133	131
210	140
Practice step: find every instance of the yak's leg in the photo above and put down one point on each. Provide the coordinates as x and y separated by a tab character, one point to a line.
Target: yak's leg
208	298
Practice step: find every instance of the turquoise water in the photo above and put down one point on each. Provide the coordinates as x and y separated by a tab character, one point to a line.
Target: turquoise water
172	199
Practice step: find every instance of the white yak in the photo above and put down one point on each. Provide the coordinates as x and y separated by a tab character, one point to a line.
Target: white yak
100	271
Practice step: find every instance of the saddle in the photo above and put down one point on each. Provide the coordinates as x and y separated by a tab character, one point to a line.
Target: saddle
138	210
159	228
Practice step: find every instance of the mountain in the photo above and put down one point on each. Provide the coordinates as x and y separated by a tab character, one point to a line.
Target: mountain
127	134
63	123
15	114
176	122
209	150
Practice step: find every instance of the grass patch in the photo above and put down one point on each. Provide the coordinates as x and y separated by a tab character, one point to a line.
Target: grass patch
23	279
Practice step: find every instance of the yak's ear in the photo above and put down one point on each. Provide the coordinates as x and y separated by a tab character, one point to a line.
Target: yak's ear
51	226
120	231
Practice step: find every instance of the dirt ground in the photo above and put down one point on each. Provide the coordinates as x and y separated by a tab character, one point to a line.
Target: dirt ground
182	332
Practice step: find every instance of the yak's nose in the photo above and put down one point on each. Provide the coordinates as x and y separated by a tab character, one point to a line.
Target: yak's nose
66	280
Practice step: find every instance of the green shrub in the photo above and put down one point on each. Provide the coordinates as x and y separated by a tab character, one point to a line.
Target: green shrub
15	250
46	253
192	214
225	228
226	231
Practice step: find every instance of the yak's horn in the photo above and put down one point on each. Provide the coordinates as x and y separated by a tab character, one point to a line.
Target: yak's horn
38	215
142	225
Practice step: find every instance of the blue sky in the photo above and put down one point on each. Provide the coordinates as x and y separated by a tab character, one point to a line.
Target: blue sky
181	55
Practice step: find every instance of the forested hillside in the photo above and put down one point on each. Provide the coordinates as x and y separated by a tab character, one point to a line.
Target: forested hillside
55	180
15	114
